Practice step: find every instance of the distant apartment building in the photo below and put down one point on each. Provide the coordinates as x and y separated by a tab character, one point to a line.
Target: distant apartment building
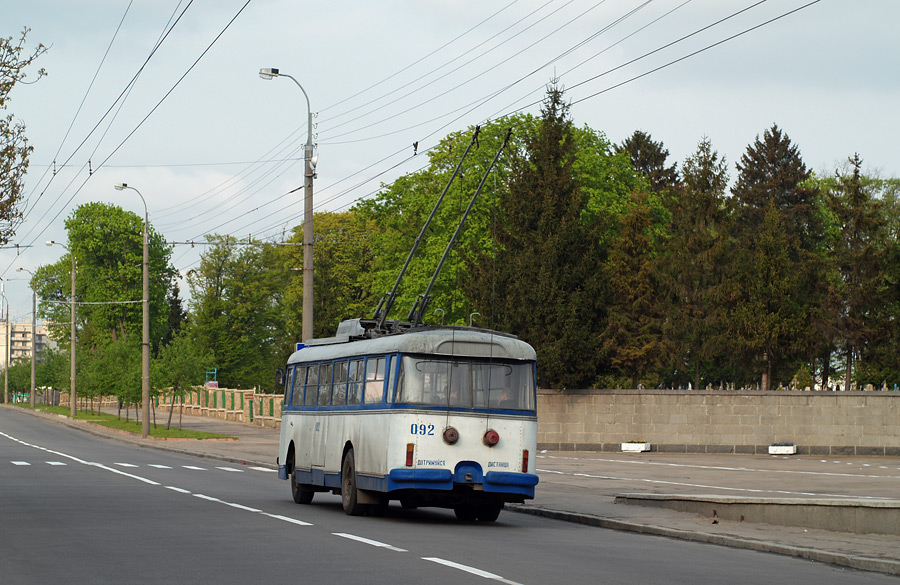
19	342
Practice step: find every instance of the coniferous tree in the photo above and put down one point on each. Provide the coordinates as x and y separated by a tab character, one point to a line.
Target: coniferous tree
693	262
649	159
772	180
547	270
632	337
859	258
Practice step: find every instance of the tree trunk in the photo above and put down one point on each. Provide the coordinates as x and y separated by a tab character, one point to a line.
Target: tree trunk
826	370
848	376
171	408
767	370
697	375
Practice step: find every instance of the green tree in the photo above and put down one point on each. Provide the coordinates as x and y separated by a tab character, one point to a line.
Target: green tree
768	311
773	180
179	366
14	147
693	261
545	282
858	256
343	269
400	210
236	311
108	245
649	159
633	337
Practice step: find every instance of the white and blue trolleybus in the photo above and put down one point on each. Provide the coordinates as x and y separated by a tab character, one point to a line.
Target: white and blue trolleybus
426	415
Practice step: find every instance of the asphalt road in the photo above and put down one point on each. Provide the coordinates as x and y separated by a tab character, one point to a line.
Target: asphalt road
76	508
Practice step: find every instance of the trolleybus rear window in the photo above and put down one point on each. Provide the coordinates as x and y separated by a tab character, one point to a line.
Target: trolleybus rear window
466	383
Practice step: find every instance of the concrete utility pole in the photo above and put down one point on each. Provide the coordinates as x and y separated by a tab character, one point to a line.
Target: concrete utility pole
307	325
72	394
33	330
145	350
6	346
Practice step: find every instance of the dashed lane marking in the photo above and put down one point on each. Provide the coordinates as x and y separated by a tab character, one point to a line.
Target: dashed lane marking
368	541
470	570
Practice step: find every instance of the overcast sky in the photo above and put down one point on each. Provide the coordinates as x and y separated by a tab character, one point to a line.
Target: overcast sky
222	151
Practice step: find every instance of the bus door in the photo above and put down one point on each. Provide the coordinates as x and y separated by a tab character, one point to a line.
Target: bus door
322	418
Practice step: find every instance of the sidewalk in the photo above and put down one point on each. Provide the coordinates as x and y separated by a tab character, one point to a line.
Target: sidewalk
561	495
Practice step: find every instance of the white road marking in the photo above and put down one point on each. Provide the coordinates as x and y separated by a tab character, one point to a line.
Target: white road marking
20	463
177	489
231	469
286	519
468	569
158	466
368	541
125	464
56	463
266	469
194	468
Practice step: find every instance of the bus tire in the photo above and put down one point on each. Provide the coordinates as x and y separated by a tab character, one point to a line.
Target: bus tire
349	491
465	512
488	512
302	493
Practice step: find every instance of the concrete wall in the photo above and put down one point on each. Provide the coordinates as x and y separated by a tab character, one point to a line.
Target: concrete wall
819	423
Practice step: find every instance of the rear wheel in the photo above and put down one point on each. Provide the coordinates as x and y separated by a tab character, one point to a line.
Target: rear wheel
488	512
302	493
465	512
349	492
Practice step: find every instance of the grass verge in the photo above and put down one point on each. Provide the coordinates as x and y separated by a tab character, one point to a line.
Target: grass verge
131	426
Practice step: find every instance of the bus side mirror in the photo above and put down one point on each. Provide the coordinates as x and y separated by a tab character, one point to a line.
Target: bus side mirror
279	377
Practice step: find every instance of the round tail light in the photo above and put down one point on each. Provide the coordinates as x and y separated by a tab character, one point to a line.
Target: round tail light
451	436
491	438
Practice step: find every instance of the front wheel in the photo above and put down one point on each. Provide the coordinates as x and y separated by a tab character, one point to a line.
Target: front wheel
488	512
349	492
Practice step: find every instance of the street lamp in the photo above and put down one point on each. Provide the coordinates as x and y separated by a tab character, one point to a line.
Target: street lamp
33	328
6	349
145	350
307	329
72	394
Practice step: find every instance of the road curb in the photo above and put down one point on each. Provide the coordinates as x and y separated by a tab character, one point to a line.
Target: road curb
852	561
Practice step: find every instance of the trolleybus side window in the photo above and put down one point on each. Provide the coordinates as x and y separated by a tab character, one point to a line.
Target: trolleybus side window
288	384
297	379
374	380
338	397
354	388
312	381
325	385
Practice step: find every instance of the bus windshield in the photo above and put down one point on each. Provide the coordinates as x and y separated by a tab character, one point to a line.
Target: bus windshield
466	383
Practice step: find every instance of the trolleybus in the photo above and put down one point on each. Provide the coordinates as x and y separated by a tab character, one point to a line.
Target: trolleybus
427	416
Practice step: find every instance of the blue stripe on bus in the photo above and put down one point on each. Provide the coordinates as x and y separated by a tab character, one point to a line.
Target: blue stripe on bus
426	479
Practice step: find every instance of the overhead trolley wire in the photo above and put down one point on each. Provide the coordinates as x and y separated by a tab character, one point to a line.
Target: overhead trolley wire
81	105
130	134
166	31
750	29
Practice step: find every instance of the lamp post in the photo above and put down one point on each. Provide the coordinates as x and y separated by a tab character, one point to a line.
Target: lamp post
6	348
145	350
307	329
72	394
33	328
